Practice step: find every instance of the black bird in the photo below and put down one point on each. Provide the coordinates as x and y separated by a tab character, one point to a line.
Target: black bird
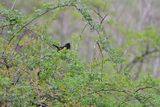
67	46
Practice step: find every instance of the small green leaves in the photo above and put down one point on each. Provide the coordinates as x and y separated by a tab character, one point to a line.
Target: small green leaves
4	81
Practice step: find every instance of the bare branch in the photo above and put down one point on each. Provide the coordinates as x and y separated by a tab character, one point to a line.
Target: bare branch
140	58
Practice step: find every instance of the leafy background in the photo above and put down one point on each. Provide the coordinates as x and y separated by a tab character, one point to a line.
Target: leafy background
114	59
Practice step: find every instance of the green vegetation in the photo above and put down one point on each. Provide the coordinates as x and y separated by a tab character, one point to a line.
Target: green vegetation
34	74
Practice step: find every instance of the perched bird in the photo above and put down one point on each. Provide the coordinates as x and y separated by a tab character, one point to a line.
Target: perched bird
67	46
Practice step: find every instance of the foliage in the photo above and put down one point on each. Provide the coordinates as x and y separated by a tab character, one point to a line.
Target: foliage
33	73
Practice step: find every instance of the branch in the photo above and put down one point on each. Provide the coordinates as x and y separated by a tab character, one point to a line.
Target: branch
104	90
102	18
140	58
143	88
43	13
100	49
39	35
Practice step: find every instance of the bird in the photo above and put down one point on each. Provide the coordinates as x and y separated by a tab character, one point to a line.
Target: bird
67	46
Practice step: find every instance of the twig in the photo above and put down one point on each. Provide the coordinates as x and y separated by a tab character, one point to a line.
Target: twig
98	13
143	88
103	18
83	30
100	49
13	4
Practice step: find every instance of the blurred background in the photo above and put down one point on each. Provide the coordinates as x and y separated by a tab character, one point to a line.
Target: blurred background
132	27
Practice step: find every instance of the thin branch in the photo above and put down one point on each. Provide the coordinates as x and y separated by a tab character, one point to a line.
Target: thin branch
39	35
83	30
13	4
140	58
43	13
104	90
98	13
103	18
17	78
100	49
143	88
